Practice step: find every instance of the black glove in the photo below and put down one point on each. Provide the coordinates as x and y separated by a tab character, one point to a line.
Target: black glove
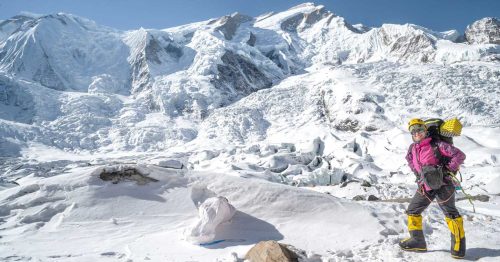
417	176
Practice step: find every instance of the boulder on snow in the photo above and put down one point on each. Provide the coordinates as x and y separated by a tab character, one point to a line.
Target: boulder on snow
358	198
484	31
213	212
373	198
366	184
271	251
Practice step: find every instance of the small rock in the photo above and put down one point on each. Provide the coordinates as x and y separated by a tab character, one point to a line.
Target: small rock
358	198
366	184
373	198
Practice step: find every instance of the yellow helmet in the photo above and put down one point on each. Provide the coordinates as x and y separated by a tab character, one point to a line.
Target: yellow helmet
416	121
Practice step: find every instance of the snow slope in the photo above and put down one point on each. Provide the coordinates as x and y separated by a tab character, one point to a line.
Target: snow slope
289	115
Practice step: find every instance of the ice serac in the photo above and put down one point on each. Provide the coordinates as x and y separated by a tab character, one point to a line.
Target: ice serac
15	103
61	51
484	31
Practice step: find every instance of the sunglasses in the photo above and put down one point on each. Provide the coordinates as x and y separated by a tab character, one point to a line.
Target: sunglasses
417	130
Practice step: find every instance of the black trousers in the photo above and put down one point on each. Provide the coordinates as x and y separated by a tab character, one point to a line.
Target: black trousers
444	195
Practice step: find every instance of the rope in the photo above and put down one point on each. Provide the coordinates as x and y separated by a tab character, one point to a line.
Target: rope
422	192
448	199
469	197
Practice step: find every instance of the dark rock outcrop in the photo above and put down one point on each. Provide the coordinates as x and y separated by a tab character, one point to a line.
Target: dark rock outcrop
302	21
238	75
484	31
230	23
252	40
153	48
415	45
117	175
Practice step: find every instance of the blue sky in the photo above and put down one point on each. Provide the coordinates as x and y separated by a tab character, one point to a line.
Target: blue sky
439	15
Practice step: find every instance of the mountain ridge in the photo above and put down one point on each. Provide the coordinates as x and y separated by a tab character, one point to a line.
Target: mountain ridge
115	81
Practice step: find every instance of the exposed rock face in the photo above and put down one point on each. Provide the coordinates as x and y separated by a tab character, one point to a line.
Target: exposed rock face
154	50
9	26
252	40
238	74
350	113
414	45
301	21
271	251
484	31
46	76
229	24
286	60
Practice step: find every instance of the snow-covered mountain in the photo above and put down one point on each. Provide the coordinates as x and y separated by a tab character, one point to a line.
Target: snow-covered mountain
484	31
299	97
193	70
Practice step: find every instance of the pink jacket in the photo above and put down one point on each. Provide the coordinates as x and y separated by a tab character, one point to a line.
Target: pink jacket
421	154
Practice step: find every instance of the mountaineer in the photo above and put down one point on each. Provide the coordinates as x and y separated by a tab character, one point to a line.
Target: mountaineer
433	161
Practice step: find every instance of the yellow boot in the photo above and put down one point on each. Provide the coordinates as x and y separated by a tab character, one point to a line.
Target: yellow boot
456	226
416	241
